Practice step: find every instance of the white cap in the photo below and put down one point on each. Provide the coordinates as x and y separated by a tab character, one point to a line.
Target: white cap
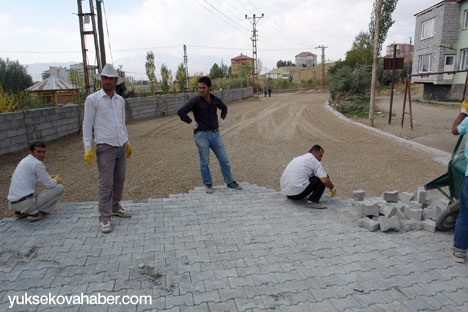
109	71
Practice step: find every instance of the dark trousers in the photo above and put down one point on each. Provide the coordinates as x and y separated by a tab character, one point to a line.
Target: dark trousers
316	187
111	162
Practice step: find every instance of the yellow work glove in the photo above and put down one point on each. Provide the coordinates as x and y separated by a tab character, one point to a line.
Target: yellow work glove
464	107
220	122
129	150
90	155
59	180
333	193
54	176
194	125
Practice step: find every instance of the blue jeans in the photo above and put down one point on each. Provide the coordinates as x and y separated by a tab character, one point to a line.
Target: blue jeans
460	240
205	141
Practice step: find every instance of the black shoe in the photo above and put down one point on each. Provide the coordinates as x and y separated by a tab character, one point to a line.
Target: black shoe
20	215
234	186
209	189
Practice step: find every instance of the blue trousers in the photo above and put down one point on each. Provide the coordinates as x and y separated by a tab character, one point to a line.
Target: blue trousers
460	240
205	141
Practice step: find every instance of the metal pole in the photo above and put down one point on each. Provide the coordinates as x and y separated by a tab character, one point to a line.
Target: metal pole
186	68
464	88
83	47
409	105
404	101
101	34
254	46
393	84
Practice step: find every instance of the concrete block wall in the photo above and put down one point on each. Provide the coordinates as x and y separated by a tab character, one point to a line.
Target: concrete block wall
19	129
168	104
12	132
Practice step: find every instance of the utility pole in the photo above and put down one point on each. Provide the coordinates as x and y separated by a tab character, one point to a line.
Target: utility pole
101	34
323	65
186	68
378	10
254	21
93	32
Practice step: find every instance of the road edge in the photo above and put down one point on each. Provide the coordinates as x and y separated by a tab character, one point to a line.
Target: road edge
439	156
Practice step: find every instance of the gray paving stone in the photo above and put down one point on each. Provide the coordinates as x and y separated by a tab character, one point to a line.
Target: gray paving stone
250	251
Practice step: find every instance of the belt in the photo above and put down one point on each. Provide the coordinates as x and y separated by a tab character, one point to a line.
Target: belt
215	130
22	199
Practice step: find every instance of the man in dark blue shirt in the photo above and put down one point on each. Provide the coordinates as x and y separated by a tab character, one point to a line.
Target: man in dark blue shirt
206	134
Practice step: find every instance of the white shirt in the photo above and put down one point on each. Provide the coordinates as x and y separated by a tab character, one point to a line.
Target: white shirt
296	176
107	116
29	171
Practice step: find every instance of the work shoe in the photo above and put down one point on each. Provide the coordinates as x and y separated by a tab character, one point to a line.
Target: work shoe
458	256
106	227
121	213
234	185
37	216
20	215
209	189
315	205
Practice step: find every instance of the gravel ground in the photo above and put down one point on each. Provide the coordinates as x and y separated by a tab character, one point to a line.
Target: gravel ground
261	136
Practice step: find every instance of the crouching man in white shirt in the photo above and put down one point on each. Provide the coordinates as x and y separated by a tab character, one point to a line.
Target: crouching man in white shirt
305	175
23	199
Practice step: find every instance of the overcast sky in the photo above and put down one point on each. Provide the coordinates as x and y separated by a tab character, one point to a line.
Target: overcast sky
47	31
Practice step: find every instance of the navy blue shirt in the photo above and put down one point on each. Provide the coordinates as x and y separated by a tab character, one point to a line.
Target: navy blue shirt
205	113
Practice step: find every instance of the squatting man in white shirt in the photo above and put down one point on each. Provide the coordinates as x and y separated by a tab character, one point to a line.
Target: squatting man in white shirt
23	198
305	175
105	113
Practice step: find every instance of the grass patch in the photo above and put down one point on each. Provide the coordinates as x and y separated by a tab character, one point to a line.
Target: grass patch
354	108
446	103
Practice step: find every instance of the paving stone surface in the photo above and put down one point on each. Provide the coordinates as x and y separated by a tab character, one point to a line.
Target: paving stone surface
250	250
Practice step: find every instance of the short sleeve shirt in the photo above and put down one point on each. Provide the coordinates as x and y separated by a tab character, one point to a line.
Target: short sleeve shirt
296	176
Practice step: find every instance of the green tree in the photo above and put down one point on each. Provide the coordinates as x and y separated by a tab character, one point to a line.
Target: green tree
386	21
347	81
361	51
13	76
166	78
216	72
150	70
284	63
181	77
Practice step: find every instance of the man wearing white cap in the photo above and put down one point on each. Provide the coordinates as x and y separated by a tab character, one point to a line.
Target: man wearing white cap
105	112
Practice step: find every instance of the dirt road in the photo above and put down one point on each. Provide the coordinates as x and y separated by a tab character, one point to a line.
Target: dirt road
261	136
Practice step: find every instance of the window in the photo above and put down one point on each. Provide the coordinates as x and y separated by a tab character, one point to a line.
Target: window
424	63
427	29
463	59
465	19
449	59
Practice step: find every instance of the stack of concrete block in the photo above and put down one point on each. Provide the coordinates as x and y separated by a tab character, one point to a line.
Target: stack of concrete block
396	211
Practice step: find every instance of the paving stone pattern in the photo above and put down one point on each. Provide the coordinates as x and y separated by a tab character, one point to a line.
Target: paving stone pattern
250	250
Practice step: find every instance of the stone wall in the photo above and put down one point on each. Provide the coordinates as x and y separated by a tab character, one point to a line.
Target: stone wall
19	129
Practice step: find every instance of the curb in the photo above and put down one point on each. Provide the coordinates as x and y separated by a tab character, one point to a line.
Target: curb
439	156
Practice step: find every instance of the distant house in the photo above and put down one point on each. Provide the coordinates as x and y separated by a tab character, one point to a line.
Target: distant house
54	88
404	50
76	74
278	73
60	72
440	44
240	61
306	59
